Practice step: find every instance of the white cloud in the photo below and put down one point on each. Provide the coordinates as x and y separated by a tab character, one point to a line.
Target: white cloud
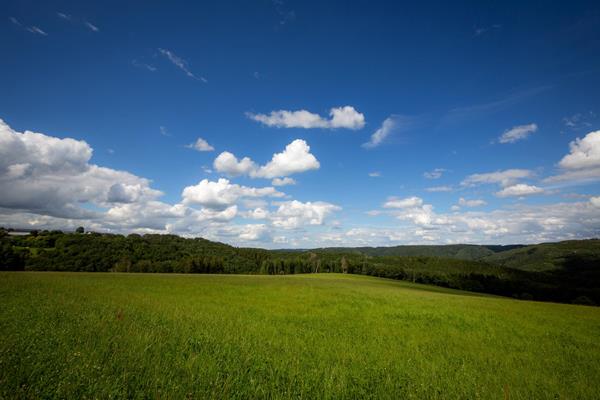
375	174
180	63
222	193
164	131
228	163
519	189
283	181
595	201
504	178
200	145
49	183
584	153
517	133
36	30
403	203
435	174
294	159
439	189
582	164
294	214
471	203
257	213
142	65
386	128
52	176
341	117
579	121
515	224
91	26
246	233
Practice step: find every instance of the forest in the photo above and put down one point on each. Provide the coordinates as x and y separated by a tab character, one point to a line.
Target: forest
567	272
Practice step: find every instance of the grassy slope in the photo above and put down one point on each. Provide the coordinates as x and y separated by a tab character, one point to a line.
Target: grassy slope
549	256
309	336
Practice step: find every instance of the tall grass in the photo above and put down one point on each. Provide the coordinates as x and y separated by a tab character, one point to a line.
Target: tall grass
77	335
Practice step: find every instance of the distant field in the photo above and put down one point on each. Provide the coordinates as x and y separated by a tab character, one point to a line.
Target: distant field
77	335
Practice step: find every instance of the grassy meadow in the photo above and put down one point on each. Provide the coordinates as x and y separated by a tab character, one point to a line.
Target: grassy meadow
110	335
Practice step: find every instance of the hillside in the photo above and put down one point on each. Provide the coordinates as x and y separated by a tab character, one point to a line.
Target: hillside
458	251
301	336
576	279
570	254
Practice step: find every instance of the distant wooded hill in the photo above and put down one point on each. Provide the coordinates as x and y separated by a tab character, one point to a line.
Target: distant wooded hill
565	271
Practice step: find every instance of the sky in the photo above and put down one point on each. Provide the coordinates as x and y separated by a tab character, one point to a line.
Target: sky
298	124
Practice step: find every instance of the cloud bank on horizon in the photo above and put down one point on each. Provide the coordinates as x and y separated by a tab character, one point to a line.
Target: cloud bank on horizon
49	182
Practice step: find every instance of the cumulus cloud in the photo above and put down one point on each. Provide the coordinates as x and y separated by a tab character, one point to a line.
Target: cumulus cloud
519	190
222	194
515	224
257	213
283	181
294	214
200	145
50	183
584	153
582	164
296	158
394	202
180	63
517	133
228	164
471	203
504	178
52	176
340	117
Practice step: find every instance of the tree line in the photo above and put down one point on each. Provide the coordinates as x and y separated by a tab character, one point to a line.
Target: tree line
95	252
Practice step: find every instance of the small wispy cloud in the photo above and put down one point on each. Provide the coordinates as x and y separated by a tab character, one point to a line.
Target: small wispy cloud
375	174
200	145
164	131
478	111
37	31
78	21
142	65
285	15
579	121
435	189
435	174
390	125
64	16
517	133
180	63
485	29
91	26
32	29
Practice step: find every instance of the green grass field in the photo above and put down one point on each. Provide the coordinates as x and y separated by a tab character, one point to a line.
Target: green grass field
82	335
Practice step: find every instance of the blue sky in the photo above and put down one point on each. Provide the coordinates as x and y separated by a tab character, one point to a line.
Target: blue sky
382	115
